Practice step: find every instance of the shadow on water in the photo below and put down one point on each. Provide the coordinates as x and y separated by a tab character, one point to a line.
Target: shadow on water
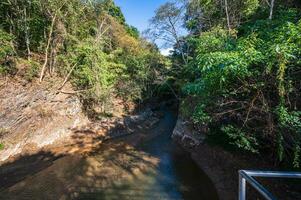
155	169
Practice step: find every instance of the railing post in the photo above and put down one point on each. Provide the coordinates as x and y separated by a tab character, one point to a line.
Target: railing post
247	176
242	188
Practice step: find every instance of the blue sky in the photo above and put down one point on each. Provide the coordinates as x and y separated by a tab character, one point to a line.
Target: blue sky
139	12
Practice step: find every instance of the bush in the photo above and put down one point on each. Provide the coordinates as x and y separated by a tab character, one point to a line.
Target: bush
32	70
251	81
240	139
94	71
6	53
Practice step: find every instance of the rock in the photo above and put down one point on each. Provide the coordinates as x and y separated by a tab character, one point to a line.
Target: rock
35	115
141	120
139	117
186	136
150	122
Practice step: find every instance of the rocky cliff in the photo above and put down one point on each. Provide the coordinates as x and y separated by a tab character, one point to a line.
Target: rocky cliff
35	115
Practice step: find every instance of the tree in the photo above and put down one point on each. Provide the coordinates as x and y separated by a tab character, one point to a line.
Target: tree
86	42
167	25
26	21
205	14
245	85
271	5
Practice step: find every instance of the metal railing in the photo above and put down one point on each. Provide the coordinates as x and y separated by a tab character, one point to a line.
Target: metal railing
247	176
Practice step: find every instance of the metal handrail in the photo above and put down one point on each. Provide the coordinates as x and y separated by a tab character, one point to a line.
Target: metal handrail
247	176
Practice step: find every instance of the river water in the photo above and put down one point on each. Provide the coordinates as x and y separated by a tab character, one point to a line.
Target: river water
154	169
177	176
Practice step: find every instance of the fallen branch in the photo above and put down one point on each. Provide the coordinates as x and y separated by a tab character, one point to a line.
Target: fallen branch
67	77
72	92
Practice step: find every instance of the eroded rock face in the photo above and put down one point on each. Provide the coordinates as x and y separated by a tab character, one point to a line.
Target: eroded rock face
33	116
186	136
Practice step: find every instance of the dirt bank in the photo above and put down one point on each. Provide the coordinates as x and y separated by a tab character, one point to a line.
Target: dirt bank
36	117
222	166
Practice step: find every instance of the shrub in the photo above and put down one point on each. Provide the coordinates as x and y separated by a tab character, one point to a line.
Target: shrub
32	70
251	81
6	53
240	139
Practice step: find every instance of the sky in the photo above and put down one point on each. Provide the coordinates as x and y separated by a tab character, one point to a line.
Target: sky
138	12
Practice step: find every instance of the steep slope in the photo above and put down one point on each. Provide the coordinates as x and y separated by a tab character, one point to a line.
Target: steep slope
35	115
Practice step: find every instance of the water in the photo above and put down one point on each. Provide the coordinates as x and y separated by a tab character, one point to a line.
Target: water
155	169
178	176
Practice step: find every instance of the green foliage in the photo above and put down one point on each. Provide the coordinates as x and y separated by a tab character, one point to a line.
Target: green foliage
113	10
250	7
94	72
6	53
32	70
92	66
5	42
206	14
24	20
139	74
133	31
240	139
297	157
200	116
289	123
289	120
3	132
250	80
87	43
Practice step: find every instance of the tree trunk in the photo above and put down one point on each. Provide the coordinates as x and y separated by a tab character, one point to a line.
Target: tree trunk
227	16
177	39
11	31
271	9
27	34
47	49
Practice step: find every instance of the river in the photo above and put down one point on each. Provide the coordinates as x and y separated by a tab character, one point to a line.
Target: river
153	169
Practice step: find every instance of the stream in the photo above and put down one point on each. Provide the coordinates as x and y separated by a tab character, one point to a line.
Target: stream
153	169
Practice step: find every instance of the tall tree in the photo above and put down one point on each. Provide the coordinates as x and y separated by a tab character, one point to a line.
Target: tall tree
167	25
205	14
227	15
271	8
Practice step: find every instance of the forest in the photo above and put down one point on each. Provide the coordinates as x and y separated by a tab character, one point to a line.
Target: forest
235	69
86	42
237	72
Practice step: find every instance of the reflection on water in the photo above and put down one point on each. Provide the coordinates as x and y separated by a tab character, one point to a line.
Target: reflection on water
158	169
